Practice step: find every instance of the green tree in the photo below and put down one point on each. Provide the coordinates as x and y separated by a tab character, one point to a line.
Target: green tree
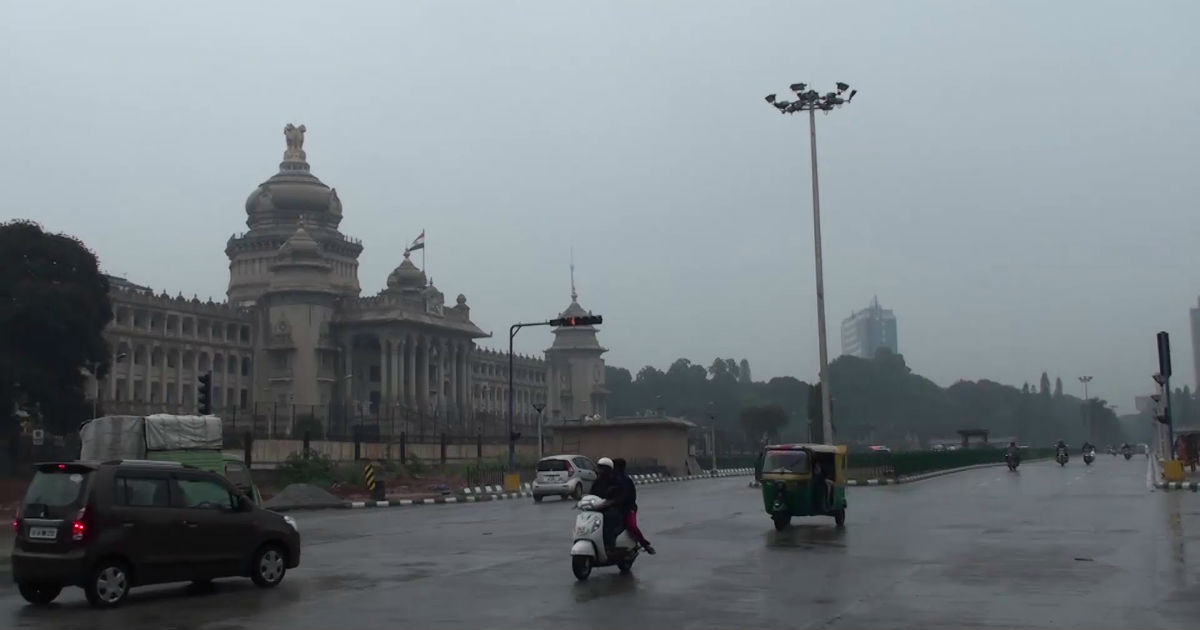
761	421
744	372
54	307
1044	387
1058	387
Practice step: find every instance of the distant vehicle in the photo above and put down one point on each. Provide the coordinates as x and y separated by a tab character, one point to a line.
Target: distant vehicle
938	447
563	476
881	449
108	527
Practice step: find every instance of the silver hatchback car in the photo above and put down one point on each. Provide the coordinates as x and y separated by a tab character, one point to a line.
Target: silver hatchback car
564	476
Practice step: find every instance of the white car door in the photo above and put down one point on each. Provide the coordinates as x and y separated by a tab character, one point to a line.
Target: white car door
587	472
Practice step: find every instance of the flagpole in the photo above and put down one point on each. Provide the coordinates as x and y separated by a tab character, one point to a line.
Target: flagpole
423	253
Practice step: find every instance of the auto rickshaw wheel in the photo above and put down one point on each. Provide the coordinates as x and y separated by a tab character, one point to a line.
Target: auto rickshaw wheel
781	521
839	517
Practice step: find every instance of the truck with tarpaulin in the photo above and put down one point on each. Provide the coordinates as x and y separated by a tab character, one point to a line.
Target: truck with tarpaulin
189	440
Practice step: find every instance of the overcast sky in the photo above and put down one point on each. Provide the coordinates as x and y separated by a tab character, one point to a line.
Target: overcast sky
1017	180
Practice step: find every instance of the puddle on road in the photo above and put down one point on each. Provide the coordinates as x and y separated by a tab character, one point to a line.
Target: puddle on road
807	536
604	585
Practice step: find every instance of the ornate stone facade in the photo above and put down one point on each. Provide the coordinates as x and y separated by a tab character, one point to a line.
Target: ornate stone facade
295	333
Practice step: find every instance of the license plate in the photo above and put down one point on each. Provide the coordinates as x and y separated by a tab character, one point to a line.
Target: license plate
43	533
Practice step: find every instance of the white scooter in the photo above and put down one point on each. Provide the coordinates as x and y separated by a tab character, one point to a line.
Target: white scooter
588	550
1089	456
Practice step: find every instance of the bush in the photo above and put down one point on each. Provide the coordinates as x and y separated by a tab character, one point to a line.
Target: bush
316	469
416	465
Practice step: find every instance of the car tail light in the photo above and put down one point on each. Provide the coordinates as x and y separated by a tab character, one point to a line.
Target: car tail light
80	526
16	522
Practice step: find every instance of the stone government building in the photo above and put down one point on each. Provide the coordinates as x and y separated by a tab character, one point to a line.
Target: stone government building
296	339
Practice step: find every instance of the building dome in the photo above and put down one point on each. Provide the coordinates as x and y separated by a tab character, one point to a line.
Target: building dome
406	276
300	245
293	191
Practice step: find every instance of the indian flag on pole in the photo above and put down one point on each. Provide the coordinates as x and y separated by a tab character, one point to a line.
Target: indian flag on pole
418	243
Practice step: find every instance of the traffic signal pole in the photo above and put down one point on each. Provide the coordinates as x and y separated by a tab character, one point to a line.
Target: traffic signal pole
560	322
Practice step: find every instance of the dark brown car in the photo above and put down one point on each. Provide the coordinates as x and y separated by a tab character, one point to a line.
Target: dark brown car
107	527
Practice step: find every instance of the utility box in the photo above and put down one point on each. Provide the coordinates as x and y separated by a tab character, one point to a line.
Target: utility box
1173	470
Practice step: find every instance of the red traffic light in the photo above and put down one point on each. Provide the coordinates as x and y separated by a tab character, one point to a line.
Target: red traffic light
578	320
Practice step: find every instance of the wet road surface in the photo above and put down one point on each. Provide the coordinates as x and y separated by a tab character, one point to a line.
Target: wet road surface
1045	547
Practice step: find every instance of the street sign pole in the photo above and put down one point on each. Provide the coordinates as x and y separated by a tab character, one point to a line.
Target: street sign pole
1164	368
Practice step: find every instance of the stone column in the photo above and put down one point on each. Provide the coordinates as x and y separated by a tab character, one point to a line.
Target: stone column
451	364
162	376
383	371
195	371
179	380
112	375
129	364
464	391
423	377
398	362
348	377
410	372
393	371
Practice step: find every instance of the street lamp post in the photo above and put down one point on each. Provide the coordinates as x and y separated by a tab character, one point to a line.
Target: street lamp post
539	406
810	101
1087	407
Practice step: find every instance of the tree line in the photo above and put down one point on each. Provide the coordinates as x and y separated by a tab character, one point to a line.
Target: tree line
875	401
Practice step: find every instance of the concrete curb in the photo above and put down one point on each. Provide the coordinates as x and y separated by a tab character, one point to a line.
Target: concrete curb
1177	485
481	494
908	479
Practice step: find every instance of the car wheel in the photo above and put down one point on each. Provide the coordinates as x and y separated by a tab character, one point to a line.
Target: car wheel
839	517
577	493
581	566
108	584
781	522
537	498
268	567
40	594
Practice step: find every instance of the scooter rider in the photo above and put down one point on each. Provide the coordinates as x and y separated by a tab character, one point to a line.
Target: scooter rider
1013	452
1088	446
608	487
631	524
1061	446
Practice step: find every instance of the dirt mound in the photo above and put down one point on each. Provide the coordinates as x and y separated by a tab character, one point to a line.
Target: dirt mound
303	496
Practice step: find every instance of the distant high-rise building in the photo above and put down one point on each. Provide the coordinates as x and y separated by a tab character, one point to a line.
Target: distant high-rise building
1196	344
868	330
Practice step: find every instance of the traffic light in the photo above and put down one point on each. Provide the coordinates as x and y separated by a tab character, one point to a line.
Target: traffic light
577	320
204	394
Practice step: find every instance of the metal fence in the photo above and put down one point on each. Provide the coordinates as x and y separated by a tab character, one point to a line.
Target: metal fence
347	422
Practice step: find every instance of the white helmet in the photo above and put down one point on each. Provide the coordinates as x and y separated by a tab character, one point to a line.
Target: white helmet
604	461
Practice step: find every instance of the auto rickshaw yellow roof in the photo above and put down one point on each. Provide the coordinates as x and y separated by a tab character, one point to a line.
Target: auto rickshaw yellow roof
816	448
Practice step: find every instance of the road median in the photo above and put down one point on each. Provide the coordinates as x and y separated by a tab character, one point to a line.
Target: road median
483	494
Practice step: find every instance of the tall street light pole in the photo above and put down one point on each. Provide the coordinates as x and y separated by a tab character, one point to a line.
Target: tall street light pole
1087	407
810	101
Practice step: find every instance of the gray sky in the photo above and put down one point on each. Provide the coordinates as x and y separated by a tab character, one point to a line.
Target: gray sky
1016	179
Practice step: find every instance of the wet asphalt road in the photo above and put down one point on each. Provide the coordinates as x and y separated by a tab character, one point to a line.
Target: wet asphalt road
1046	547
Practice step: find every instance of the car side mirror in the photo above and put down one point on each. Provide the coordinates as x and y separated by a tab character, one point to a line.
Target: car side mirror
245	503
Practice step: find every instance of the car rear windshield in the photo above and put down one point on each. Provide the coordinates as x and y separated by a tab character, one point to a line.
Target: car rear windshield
550	465
56	488
785	462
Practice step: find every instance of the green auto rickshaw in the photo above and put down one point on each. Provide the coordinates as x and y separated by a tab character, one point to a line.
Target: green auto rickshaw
804	480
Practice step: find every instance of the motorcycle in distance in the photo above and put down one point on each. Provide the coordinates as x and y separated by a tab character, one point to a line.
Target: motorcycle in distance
1012	460
1089	456
588	550
1127	452
1062	457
